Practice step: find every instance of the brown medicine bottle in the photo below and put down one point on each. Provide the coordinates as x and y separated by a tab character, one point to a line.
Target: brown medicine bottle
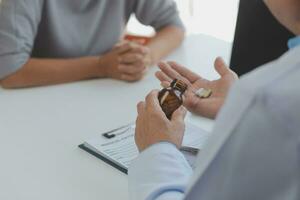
171	98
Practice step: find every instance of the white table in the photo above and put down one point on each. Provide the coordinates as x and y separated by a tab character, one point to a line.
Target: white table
40	129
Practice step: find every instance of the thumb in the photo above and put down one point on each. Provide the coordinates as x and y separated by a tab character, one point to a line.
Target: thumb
179	115
221	67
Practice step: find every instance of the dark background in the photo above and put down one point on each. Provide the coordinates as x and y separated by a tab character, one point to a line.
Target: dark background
259	38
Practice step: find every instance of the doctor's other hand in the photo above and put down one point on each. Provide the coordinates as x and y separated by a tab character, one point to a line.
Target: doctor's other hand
208	107
152	125
127	61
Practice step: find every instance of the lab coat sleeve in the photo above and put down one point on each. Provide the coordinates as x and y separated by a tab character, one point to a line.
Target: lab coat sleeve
161	172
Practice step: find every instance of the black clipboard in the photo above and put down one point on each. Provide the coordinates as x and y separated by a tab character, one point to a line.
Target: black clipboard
188	150
107	161
110	134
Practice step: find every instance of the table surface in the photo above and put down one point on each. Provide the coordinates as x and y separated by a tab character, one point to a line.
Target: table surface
40	130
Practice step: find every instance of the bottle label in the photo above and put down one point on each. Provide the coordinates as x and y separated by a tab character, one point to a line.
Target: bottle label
163	98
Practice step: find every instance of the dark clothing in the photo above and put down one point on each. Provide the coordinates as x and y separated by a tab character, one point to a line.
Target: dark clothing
259	38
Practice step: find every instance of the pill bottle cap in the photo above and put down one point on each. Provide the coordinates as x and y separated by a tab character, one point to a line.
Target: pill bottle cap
179	85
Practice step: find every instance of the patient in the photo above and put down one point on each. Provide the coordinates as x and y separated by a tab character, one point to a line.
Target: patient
59	41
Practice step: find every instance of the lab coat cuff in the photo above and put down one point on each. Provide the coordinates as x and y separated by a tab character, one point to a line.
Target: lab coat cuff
154	155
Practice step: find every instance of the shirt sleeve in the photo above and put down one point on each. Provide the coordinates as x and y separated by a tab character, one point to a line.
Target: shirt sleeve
158	13
260	159
18	27
160	172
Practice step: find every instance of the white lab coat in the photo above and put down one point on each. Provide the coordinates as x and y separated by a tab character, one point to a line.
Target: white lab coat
253	154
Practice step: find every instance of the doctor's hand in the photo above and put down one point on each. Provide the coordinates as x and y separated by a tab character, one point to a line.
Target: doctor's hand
152	125
127	61
205	107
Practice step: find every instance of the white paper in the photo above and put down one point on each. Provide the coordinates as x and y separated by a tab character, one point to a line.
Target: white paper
122	149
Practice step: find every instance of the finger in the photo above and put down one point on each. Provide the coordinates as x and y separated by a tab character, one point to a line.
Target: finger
193	104
121	43
152	103
132	78
185	72
134	71
139	49
179	115
131	69
130	58
171	73
152	97
221	67
162	77
134	47
165	84
124	47
203	107
165	68
140	107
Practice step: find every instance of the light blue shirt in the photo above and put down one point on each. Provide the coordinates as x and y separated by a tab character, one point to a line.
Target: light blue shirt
294	42
253	154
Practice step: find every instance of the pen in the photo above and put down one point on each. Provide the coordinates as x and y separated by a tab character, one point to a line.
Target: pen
192	150
111	134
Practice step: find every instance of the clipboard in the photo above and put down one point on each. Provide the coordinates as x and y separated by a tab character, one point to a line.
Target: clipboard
107	161
112	146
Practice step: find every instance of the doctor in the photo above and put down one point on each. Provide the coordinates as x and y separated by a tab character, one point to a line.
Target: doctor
254	151
50	42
